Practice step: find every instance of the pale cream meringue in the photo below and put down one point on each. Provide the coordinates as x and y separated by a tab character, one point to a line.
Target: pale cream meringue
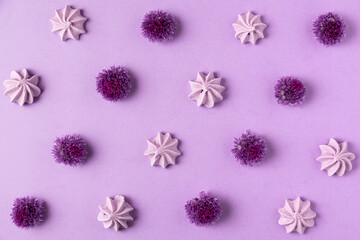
162	150
22	88
296	215
249	28
206	90
68	23
115	213
335	158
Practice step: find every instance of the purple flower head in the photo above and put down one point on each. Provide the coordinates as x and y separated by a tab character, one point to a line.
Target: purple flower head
114	84
289	91
204	210
27	212
329	29
249	149
158	26
70	150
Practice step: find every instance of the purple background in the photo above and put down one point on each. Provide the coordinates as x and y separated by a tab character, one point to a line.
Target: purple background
117	132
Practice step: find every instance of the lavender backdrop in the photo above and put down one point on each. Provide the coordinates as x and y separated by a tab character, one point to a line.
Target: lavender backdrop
117	132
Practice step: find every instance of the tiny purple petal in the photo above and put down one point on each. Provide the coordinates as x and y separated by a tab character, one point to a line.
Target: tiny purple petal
70	150
289	91
159	26
329	29
27	212
249	149
114	84
204	210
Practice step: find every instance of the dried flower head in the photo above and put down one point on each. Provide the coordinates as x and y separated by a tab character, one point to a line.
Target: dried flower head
114	84
289	91
27	212
329	29
204	210
70	150
158	26
249	149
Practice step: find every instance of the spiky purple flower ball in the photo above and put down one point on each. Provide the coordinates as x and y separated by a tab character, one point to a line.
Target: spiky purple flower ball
114	84
27	212
289	91
159	26
329	29
70	150
249	149
204	210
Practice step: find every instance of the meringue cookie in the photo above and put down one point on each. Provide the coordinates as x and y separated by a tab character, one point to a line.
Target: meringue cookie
249	28
296	215
206	90
335	158
68	23
22	88
162	150
115	213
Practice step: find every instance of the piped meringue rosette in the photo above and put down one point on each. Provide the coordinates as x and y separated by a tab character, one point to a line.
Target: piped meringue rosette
22	88
296	215
335	158
249	28
68	23
162	150
206	90
115	213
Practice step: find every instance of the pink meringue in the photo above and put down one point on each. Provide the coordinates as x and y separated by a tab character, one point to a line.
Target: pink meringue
68	23
22	88
162	150
206	90
335	158
296	215
249	28
115	213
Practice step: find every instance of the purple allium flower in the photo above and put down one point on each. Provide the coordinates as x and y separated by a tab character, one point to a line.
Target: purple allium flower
204	210
70	150
158	26
27	212
114	84
249	149
329	29
289	91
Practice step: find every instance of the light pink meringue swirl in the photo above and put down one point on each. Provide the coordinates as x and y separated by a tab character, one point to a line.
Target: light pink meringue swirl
115	213
335	158
206	90
296	215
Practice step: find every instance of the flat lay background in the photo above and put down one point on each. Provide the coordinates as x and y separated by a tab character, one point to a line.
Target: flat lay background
117	132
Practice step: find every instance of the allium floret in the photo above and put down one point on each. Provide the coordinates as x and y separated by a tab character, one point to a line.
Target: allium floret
27	212
159	26
249	149
203	210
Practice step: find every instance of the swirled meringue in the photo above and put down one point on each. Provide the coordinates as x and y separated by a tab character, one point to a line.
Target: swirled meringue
335	158
115	213
162	150
249	28
22	88
68	23
296	215
206	90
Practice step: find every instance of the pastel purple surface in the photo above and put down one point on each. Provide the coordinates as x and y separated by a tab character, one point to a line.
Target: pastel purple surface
118	131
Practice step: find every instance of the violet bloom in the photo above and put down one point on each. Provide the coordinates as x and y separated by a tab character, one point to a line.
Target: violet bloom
158	26
27	212
204	210
70	150
249	149
329	29
289	91
114	84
